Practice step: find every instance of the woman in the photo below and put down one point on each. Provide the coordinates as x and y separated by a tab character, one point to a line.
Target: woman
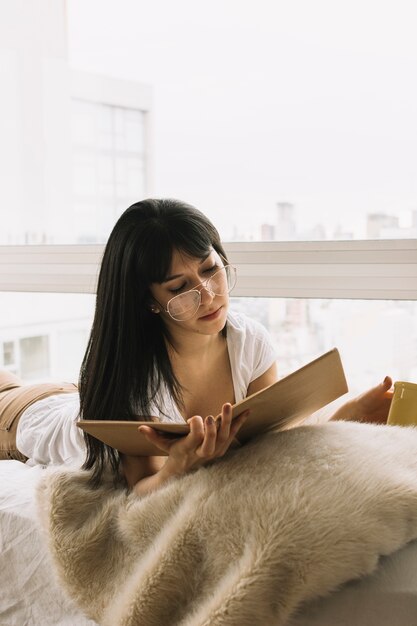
164	343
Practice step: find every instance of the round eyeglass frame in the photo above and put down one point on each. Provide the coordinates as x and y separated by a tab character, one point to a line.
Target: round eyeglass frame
231	276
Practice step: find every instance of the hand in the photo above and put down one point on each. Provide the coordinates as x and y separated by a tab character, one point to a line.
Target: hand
208	439
372	406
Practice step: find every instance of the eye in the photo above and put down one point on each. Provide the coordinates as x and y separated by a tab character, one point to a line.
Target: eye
178	289
212	269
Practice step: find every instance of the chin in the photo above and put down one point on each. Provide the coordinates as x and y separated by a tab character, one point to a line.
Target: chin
215	326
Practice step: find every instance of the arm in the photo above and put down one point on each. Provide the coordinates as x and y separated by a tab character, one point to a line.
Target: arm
372	406
205	442
266	379
202	444
136	468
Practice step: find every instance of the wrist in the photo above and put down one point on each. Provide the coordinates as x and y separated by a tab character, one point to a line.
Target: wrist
171	469
347	412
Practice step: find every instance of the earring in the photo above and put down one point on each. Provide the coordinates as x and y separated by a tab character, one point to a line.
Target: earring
155	309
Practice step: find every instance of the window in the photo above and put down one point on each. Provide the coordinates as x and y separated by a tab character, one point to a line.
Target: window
305	105
34	357
108	154
44	335
375	338
9	356
291	128
359	296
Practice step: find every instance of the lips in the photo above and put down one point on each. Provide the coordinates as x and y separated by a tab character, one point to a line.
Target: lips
212	315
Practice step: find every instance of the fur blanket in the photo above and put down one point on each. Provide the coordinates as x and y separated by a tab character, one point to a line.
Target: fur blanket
287	518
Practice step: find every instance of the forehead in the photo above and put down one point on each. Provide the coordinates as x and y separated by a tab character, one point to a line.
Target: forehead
181	261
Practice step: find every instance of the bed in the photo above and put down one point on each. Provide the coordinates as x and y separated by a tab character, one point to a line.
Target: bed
31	594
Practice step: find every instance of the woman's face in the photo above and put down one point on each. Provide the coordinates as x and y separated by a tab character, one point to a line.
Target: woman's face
186	273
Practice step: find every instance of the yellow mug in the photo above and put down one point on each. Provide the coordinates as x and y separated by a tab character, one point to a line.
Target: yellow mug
403	409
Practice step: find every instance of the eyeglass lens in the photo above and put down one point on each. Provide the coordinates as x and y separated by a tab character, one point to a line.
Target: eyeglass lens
184	305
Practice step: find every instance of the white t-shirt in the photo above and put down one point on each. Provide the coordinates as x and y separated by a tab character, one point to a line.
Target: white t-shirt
47	431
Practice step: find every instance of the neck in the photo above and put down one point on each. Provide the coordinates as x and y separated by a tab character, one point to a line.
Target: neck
194	346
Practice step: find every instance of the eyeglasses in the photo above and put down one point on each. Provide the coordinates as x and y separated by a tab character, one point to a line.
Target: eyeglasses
184	306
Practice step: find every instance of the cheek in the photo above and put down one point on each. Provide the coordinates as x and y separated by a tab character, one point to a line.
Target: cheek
158	295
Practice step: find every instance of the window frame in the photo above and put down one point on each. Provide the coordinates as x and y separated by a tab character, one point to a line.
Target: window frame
374	269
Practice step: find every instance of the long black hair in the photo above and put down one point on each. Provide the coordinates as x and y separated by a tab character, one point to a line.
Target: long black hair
126	359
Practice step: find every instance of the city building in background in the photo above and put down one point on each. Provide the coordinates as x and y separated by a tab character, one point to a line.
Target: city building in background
378	226
77	149
302	328
75	152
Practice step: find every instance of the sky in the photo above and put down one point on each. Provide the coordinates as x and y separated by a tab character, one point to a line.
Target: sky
257	102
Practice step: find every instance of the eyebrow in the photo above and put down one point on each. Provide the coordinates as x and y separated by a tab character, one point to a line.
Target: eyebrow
168	278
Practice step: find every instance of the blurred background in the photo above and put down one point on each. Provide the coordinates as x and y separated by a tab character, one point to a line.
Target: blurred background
282	121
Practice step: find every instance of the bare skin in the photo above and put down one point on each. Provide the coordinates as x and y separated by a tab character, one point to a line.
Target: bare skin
372	406
200	361
204	443
199	358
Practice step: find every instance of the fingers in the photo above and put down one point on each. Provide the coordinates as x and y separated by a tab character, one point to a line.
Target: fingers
229	425
216	434
155	437
196	434
387	383
208	438
237	423
225	423
218	441
208	446
373	405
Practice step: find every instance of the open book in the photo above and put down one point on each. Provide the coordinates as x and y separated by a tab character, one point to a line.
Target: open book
284	404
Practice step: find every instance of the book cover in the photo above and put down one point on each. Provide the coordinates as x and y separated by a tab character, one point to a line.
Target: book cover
284	404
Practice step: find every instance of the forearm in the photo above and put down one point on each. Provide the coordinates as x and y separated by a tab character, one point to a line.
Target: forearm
346	412
372	406
147	484
137	468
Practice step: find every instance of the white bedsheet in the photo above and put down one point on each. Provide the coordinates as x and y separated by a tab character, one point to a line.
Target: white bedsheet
30	594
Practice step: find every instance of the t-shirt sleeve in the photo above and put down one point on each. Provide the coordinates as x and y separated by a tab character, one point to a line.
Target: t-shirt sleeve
251	351
264	352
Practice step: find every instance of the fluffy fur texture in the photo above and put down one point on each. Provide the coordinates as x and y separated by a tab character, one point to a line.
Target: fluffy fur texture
244	542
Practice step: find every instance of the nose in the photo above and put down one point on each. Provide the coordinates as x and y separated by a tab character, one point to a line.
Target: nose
206	295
